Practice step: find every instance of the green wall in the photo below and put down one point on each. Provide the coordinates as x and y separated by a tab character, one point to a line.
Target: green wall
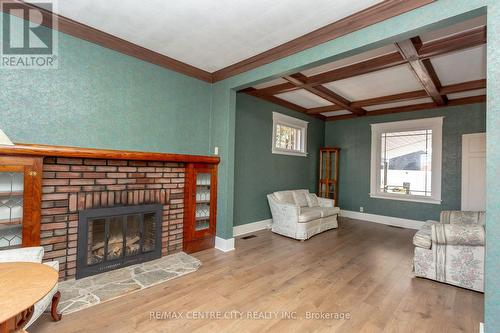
104	99
258	171
353	136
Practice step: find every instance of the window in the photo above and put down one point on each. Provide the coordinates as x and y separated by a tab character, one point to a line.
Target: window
406	160
289	135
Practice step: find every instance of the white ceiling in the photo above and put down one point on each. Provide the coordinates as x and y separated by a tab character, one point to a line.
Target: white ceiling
304	98
389	81
209	34
461	66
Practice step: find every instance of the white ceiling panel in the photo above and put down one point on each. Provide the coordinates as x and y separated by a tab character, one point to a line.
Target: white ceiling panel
461	66
304	98
336	113
464	94
454	29
389	81
209	34
398	104
270	83
350	60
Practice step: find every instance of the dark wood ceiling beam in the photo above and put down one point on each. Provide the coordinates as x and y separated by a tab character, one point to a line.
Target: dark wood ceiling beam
323	109
445	45
423	70
464	86
457	42
416	107
300	80
360	68
391	98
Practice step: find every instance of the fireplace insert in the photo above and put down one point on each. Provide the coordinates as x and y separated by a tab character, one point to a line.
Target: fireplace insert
111	238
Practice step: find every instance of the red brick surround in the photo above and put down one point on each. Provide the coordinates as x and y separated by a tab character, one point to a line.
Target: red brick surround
74	184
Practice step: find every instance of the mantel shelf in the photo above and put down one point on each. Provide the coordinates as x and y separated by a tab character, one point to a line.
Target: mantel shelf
77	152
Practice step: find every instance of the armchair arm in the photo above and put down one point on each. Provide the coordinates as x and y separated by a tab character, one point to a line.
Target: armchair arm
325	202
458	234
283	213
23	254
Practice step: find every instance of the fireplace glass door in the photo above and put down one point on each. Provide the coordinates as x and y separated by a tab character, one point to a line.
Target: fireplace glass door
109	238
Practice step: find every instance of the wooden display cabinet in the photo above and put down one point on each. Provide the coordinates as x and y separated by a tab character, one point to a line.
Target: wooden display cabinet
201	207
329	173
20	198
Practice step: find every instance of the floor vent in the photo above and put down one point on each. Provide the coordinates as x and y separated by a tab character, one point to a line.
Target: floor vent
248	237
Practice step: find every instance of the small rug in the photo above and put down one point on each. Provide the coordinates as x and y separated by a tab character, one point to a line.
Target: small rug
89	291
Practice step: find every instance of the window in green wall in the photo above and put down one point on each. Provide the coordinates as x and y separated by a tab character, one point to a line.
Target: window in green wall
289	135
406	160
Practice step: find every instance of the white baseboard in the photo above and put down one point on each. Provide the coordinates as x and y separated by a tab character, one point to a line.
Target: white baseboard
395	221
225	245
481	328
251	227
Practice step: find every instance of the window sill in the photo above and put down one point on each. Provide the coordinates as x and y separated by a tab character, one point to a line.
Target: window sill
291	153
405	198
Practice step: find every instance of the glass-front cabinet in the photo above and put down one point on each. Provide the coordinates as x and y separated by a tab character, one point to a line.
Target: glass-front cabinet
20	194
201	192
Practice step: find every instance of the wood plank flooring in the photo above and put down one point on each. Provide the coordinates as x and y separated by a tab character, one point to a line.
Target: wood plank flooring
361	270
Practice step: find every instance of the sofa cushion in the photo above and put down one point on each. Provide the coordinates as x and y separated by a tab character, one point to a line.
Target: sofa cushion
329	211
300	197
423	237
312	200
309	214
285	197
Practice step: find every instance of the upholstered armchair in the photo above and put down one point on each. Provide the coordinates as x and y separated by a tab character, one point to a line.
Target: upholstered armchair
35	254
452	250
299	214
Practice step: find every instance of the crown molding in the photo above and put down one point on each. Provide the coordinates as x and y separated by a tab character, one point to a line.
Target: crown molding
374	14
99	37
356	21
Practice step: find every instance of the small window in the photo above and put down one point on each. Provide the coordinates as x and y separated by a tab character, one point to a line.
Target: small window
406	160
289	135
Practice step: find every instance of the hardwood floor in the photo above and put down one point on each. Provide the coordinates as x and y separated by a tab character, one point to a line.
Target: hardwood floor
362	270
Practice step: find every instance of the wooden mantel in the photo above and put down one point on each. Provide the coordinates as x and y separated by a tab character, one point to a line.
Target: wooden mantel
22	149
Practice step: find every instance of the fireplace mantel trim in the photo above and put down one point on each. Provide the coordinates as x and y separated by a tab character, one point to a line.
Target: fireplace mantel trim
78	152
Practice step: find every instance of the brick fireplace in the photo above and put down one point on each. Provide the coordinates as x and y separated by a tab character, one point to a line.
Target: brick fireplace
72	185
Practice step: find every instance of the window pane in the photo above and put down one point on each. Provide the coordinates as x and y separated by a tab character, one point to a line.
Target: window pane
406	162
288	138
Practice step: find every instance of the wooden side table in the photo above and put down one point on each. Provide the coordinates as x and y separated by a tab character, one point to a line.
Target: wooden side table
22	284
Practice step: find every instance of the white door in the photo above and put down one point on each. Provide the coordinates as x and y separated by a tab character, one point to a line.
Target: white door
474	171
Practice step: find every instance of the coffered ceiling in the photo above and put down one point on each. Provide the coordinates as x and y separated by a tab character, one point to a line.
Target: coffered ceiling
439	68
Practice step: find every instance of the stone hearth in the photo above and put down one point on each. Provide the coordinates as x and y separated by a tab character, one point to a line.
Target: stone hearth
96	289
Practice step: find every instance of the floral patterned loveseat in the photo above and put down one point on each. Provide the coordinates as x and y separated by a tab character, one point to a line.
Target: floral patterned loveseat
452	250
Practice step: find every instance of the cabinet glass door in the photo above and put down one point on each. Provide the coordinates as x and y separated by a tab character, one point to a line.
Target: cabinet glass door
202	211
11	207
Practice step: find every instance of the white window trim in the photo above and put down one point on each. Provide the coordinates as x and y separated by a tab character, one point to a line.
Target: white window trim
279	118
436	125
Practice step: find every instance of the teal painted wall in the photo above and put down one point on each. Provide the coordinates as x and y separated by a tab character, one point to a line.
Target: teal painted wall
492	273
104	99
257	171
353	136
